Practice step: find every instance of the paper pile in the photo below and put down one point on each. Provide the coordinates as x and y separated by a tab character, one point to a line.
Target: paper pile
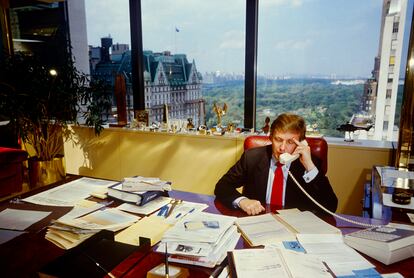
201	239
69	232
145	184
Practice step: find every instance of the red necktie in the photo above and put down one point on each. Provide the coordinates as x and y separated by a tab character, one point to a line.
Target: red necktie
277	189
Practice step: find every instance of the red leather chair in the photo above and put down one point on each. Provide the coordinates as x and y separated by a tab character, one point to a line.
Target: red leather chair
11	170
318	145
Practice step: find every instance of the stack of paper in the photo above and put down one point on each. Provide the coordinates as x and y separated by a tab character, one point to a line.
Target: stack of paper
201	239
264	229
145	184
69	232
273	262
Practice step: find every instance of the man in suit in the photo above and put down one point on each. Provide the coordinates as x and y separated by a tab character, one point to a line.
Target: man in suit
266	181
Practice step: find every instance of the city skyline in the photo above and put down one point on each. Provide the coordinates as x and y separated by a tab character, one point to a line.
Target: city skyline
324	38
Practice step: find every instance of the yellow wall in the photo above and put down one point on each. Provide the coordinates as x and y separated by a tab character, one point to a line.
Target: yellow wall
194	163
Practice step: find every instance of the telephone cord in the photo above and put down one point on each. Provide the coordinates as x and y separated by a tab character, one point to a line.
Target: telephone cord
328	211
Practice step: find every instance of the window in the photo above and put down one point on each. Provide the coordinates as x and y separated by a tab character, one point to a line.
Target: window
395	27
316	62
314	57
201	45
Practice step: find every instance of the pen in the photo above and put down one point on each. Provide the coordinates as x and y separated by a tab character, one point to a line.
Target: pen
176	202
191	210
163	211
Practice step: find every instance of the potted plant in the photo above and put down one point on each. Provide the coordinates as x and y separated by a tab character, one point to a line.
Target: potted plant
40	102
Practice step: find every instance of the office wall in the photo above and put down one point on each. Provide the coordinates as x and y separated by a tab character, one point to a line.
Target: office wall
191	163
195	163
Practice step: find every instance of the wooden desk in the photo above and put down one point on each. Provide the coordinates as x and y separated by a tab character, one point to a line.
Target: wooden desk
154	259
25	255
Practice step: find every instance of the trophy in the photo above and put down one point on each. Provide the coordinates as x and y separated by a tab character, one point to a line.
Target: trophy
220	112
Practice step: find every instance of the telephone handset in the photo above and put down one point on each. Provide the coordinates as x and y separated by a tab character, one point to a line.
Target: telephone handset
287	157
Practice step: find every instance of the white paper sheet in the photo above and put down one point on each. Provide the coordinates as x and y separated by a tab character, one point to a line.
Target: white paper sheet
264	229
331	249
18	219
259	263
110	219
70	193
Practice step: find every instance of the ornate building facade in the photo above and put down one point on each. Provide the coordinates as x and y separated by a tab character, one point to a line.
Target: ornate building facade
169	79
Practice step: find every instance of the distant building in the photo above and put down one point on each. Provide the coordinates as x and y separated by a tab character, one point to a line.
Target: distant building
169	79
94	57
380	92
117	51
106	44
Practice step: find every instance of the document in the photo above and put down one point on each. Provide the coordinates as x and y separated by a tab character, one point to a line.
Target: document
18	219
263	230
83	207
331	249
109	219
145	184
69	193
184	209
6	235
303	265
305	222
259	263
151	227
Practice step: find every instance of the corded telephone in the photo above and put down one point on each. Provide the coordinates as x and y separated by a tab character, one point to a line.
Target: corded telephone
287	157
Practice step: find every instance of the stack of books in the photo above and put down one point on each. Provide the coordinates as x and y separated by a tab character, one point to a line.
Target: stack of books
200	239
68	233
139	190
387	244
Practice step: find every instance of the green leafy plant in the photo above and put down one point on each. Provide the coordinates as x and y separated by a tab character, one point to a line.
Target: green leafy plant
41	101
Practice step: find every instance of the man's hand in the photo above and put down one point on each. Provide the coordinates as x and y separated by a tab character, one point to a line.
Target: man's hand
305	155
251	207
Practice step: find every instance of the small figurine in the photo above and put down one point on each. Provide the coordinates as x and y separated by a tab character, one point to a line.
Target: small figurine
266	126
190	124
220	112
230	127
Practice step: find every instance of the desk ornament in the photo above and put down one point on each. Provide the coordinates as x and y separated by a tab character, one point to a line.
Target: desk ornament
220	112
266	127
202	130
142	118
190	124
166	270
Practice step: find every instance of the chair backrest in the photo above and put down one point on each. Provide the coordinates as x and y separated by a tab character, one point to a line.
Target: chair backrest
318	145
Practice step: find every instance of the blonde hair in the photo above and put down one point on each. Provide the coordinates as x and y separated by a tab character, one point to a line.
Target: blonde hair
288	122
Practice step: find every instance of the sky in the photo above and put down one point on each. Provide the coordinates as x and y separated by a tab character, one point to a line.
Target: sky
296	37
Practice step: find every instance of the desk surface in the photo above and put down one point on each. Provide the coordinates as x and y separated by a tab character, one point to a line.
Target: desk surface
26	254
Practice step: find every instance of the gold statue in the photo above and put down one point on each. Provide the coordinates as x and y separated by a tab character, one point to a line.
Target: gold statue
220	112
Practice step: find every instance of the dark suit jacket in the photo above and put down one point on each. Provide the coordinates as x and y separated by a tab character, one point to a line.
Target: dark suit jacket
252	171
